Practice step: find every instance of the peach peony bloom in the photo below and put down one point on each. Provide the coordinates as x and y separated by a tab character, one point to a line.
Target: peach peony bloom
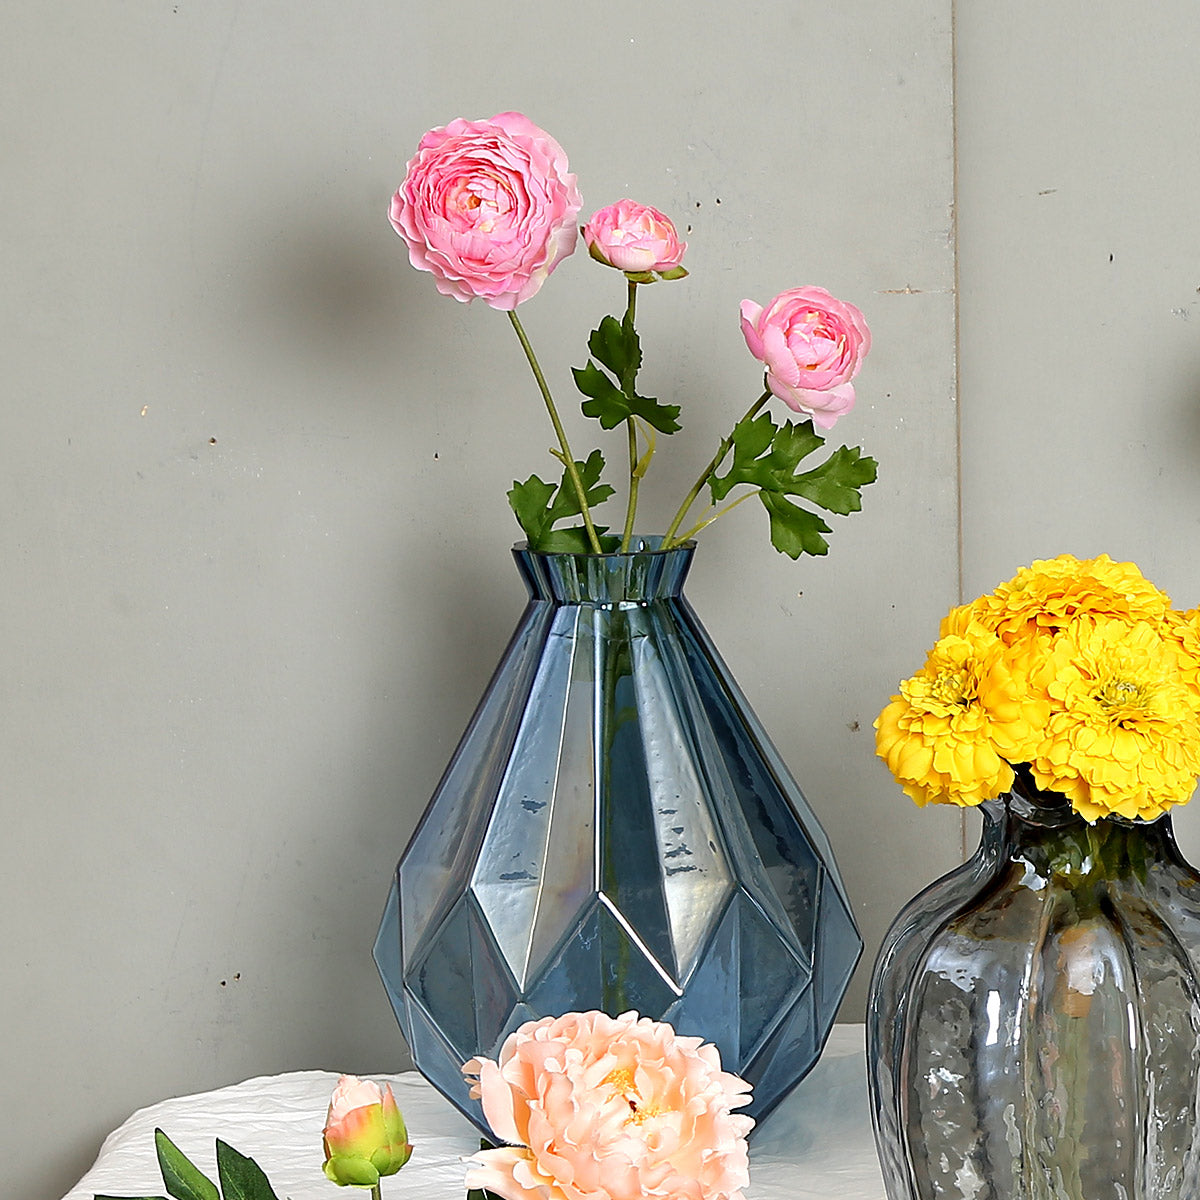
608	1108
637	239
364	1136
812	345
489	208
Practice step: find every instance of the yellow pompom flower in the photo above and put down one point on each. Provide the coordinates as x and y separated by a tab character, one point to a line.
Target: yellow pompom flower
950	734
1181	630
1051	594
1124	736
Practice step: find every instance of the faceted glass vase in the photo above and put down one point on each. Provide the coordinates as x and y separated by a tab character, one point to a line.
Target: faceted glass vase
1034	1020
615	831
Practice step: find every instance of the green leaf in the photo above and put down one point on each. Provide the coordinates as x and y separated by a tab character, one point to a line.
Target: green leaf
664	417
608	404
766	456
566	500
793	442
97	1196
752	464
835	484
530	502
538	506
573	540
181	1177
241	1177
615	344
794	530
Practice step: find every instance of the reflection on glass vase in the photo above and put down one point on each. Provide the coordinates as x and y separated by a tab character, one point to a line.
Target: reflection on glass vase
1034	1022
616	831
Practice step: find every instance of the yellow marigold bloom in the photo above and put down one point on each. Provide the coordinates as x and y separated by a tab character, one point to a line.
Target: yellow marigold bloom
1051	594
1181	630
950	734
1124	736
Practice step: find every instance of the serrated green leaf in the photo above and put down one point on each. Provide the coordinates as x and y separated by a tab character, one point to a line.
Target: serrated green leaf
835	484
592	381
538	506
181	1177
615	344
751	439
664	417
530	502
794	530
574	540
608	404
792	442
566	499
241	1177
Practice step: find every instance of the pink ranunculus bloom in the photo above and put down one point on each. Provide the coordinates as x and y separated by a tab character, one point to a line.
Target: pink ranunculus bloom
364	1135
635	238
610	1109
812	345
489	208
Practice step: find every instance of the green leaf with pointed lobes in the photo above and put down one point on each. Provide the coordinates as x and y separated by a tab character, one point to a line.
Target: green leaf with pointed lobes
794	530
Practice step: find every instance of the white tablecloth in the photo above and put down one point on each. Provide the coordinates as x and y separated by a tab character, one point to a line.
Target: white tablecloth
815	1146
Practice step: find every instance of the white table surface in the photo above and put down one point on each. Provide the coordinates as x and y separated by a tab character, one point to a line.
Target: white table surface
816	1144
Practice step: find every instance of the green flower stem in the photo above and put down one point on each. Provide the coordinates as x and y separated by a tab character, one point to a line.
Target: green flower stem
670	539
634	477
376	1193
568	457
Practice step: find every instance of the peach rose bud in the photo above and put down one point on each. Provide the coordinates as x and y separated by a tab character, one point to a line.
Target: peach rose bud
364	1136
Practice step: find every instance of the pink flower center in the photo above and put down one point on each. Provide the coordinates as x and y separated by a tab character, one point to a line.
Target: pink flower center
481	200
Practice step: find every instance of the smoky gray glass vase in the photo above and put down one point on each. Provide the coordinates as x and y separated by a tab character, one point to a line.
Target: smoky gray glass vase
1034	1019
615	831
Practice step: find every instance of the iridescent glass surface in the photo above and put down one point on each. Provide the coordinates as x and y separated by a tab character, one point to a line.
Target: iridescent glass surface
616	831
1034	1025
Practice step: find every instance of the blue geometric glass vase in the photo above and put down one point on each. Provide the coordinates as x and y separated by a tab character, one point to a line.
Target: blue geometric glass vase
616	831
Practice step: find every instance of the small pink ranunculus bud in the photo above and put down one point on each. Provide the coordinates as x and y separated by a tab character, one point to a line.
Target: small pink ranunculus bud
636	239
488	208
364	1135
812	345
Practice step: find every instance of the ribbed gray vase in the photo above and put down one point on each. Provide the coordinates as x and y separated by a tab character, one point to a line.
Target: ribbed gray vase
616	831
1034	1023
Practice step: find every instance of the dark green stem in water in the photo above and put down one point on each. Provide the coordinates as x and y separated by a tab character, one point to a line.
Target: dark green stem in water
670	539
568	457
634	479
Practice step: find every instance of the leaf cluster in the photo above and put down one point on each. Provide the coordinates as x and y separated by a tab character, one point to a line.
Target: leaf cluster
241	1177
609	383
767	456
613	395
539	505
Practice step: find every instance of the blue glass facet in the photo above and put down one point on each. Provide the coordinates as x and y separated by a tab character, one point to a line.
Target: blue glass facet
616	831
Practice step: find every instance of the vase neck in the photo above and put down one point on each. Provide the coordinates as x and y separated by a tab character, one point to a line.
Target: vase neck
642	575
1042	833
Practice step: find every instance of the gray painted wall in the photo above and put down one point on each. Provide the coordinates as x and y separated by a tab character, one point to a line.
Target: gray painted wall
253	466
